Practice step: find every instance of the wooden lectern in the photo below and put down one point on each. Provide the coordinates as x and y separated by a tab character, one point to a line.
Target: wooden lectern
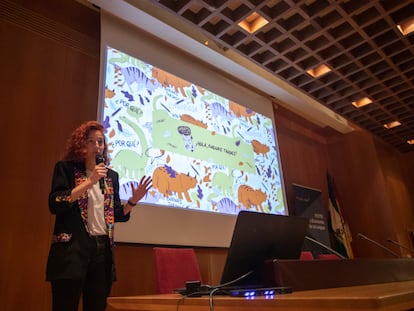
317	274
318	285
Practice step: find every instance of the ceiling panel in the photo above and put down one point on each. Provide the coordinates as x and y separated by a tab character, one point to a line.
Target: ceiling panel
357	39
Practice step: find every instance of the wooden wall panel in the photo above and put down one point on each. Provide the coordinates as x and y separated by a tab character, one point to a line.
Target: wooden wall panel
399	187
360	186
363	172
303	154
136	268
49	85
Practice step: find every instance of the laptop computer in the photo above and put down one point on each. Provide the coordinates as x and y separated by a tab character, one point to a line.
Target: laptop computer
256	238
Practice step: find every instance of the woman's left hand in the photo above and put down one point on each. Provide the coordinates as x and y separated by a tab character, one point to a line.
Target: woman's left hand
141	190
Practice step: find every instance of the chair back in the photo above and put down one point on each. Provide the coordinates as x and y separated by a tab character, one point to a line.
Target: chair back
174	267
328	257
306	255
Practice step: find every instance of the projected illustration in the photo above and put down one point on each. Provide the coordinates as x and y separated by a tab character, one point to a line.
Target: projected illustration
202	150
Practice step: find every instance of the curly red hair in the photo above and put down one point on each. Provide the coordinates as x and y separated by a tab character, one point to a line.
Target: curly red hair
76	144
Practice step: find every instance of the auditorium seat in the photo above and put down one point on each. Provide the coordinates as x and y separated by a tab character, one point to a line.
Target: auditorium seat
306	255
328	257
174	267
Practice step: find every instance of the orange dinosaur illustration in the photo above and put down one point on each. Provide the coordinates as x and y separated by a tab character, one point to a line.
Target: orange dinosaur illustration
250	197
168	181
260	148
167	79
239	111
192	120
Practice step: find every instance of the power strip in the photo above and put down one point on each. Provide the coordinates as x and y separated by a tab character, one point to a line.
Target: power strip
266	291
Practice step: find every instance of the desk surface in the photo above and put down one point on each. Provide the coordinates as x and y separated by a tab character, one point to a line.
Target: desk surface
384	296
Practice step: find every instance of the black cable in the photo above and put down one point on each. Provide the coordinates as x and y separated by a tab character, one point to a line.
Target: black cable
208	288
212	290
180	301
235	280
219	287
210	299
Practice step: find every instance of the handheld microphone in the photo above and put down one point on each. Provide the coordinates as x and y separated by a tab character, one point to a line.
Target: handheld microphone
360	235
325	247
100	159
401	246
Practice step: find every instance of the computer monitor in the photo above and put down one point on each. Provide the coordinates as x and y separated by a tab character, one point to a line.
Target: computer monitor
256	238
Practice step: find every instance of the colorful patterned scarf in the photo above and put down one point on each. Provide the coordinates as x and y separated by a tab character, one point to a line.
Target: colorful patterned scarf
80	177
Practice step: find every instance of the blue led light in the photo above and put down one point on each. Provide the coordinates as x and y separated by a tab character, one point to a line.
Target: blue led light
250	294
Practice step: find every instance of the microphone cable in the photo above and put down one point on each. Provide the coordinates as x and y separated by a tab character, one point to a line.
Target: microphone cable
325	247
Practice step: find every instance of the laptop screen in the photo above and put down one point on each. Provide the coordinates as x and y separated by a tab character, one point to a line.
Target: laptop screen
258	237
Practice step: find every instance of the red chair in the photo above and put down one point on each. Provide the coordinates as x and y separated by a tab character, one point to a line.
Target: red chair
306	255
328	257
174	267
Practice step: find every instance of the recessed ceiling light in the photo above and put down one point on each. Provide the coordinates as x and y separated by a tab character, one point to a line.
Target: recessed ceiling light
392	124
406	26
362	102
410	142
318	71
253	22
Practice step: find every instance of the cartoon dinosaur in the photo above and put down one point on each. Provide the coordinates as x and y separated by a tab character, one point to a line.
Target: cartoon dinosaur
250	197
129	163
168	181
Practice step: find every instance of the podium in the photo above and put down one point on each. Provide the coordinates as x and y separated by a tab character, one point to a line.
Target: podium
319	274
395	296
318	285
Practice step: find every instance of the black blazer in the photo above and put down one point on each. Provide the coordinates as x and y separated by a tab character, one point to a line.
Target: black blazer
68	255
